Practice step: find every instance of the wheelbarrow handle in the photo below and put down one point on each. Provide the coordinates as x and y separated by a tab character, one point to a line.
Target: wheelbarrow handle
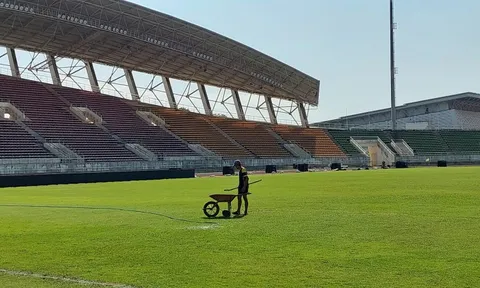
248	184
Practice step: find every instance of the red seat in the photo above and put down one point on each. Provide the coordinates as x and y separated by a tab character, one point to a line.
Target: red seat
50	118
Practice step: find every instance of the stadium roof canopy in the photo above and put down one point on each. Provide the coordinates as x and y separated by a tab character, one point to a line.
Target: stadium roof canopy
464	101
120	33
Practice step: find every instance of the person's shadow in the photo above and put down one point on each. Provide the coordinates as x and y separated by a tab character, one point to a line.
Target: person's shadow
225	218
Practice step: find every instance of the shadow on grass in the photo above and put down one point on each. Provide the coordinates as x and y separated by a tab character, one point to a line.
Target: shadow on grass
225	218
100	208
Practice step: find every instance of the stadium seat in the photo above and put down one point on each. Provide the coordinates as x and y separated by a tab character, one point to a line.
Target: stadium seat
465	142
422	141
51	119
342	137
196	129
121	119
315	141
253	136
15	142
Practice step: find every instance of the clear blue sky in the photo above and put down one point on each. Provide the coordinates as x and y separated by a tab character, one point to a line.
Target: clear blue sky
345	44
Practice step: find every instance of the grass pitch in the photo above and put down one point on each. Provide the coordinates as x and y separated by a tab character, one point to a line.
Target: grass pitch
388	228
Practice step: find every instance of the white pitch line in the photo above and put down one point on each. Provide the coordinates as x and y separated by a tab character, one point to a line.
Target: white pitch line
64	279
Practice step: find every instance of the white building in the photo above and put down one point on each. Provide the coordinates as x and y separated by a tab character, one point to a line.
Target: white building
460	112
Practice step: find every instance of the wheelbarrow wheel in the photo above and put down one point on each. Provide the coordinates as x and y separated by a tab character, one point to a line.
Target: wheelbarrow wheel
226	213
211	209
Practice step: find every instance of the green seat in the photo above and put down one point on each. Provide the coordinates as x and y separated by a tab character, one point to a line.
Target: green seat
461	141
342	137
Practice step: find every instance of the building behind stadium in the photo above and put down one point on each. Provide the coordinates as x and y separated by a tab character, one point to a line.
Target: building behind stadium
458	112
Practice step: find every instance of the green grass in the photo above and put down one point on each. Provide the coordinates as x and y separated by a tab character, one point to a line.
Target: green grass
388	228
9	281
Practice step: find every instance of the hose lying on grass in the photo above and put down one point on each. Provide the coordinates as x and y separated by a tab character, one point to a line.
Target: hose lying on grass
107	208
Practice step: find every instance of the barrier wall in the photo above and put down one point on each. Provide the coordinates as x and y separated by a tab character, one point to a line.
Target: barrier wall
24	167
31	166
431	160
74	178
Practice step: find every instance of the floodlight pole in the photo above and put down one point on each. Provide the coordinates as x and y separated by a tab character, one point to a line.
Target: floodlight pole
392	68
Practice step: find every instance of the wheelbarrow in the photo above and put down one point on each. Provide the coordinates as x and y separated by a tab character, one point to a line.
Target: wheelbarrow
211	208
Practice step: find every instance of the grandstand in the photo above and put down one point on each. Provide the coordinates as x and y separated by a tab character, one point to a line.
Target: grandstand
48	127
443	128
70	117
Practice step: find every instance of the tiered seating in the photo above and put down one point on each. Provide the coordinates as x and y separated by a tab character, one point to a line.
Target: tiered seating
195	129
121	119
461	141
253	136
15	142
314	141
342	137
52	120
422	141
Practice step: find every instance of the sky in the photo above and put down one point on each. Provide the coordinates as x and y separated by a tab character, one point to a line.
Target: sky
345	44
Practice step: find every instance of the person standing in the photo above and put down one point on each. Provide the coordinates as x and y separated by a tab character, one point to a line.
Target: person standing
242	186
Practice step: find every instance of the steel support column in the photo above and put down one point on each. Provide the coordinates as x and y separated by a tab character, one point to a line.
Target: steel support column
392	70
271	111
52	66
131	84
92	77
205	101
238	105
12	60
169	92
303	115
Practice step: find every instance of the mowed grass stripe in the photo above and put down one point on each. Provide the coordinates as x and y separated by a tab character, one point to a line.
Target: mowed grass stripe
387	228
16	278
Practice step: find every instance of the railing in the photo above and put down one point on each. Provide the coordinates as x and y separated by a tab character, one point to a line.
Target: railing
203	151
428	159
401	150
298	151
341	126
409	149
358	146
298	144
461	153
42	161
396	147
387	150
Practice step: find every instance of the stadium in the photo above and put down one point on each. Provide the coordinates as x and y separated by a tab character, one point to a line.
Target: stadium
111	114
180	139
441	129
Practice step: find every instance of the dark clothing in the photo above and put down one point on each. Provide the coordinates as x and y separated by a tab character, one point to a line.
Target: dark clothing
244	192
242	176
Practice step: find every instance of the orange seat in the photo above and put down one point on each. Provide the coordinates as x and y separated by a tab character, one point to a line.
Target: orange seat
314	141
